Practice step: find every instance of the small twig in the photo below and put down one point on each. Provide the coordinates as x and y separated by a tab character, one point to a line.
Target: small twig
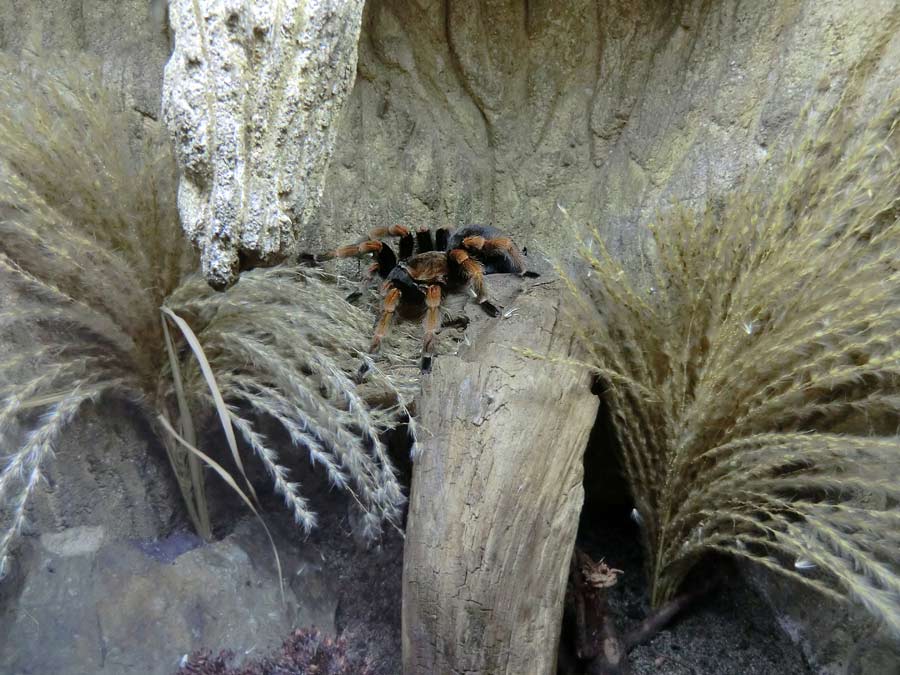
597	640
668	657
584	648
649	627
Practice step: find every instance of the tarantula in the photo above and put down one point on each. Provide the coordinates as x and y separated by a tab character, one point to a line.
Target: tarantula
442	263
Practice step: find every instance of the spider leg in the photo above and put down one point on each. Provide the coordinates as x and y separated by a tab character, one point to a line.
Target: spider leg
432	321
385	258
370	245
407	241
391	231
504	244
442	237
353	250
407	246
473	273
424	240
389	306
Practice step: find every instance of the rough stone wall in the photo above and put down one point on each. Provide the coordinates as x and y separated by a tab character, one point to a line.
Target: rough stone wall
106	474
128	38
497	110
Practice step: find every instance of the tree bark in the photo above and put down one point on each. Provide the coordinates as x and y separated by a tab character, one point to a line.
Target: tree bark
496	493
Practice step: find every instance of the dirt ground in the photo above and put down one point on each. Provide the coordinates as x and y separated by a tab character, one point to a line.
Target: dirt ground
731	631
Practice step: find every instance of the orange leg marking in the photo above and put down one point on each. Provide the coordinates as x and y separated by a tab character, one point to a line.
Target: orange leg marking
432	321
476	242
392	231
504	244
391	300
432	318
353	250
473	272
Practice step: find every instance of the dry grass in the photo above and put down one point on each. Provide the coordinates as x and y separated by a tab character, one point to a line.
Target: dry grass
90	236
754	384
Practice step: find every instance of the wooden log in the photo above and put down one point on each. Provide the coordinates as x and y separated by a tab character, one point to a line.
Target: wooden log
496	493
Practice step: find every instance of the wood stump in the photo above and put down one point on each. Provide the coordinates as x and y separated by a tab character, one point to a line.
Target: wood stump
496	492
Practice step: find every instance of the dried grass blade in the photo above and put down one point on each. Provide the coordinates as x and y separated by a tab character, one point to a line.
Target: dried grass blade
209	376
186	422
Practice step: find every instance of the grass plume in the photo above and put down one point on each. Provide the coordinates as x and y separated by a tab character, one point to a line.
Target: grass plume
89	235
754	381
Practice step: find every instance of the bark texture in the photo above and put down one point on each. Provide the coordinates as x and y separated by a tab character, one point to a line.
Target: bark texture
496	495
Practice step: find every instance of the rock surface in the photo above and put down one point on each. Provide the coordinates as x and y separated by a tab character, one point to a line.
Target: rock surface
835	638
495	112
252	94
93	604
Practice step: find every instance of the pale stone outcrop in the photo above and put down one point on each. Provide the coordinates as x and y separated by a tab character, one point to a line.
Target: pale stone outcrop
251	96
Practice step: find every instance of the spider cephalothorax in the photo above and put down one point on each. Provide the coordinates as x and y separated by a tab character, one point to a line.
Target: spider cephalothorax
428	266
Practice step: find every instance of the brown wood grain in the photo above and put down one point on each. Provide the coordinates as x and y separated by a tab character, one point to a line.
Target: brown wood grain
496	494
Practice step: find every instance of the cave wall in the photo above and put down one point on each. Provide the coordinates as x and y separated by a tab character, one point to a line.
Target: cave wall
498	111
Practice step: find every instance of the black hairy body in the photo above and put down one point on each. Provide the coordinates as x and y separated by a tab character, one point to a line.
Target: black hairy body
427	266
